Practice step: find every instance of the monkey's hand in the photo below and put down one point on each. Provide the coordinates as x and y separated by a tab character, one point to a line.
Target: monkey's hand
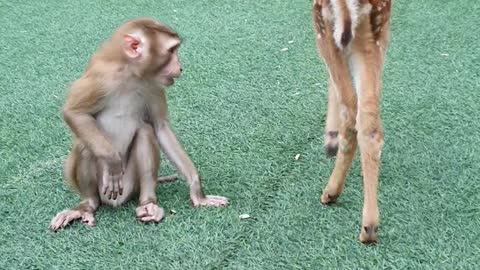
112	173
199	199
210	200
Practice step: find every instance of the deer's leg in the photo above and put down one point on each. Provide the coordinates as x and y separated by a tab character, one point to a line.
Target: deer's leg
331	128
367	63
342	89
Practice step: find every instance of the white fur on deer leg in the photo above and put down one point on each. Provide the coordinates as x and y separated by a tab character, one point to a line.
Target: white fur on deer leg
344	112
327	15
355	69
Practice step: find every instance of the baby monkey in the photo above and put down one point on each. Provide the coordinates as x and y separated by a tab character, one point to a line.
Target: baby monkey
118	115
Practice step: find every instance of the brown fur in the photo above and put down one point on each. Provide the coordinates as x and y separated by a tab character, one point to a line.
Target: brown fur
356	117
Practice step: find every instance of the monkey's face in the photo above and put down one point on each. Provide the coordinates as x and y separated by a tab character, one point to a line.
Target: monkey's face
169	67
154	58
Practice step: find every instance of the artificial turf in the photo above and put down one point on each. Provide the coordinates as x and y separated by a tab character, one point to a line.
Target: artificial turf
243	109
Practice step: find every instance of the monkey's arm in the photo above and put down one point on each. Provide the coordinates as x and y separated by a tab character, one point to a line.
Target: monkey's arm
83	101
177	155
173	149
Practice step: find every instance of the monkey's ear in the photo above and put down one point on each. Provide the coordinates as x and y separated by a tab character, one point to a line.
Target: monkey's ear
132	46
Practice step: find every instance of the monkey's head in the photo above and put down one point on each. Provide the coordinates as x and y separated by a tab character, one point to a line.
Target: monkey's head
151	51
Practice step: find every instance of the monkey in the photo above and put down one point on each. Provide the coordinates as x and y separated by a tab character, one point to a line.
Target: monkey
118	115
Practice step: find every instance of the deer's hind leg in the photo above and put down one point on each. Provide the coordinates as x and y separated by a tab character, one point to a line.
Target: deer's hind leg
367	58
332	123
341	95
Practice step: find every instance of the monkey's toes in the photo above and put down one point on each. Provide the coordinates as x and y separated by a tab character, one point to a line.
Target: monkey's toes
327	198
64	218
88	219
369	234
210	200
150	212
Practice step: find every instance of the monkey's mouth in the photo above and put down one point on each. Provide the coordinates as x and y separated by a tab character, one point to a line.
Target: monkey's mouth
169	81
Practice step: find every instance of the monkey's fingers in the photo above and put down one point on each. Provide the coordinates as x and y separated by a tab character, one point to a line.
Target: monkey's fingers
150	213
111	186
167	179
120	180
104	185
156	218
115	185
88	219
215	201
109	192
141	211
120	185
105	182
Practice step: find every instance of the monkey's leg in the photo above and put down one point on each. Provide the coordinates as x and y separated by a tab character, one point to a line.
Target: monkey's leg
146	155
80	171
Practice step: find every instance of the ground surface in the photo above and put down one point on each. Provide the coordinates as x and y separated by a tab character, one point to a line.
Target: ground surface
244	109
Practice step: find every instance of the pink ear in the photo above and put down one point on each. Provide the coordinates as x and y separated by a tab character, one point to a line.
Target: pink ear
132	46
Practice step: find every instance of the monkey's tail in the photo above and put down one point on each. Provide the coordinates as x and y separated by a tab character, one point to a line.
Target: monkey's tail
167	179
70	170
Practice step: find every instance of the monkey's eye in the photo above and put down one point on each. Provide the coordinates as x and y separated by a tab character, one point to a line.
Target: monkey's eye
173	49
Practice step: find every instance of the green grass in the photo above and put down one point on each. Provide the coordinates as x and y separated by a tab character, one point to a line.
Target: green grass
243	110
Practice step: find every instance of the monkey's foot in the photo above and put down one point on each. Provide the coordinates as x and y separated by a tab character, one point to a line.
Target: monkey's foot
150	212
331	143
369	234
65	217
211	200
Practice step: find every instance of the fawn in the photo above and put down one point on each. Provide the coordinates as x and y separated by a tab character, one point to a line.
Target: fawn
351	38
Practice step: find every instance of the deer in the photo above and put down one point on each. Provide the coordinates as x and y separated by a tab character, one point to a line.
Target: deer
351	39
